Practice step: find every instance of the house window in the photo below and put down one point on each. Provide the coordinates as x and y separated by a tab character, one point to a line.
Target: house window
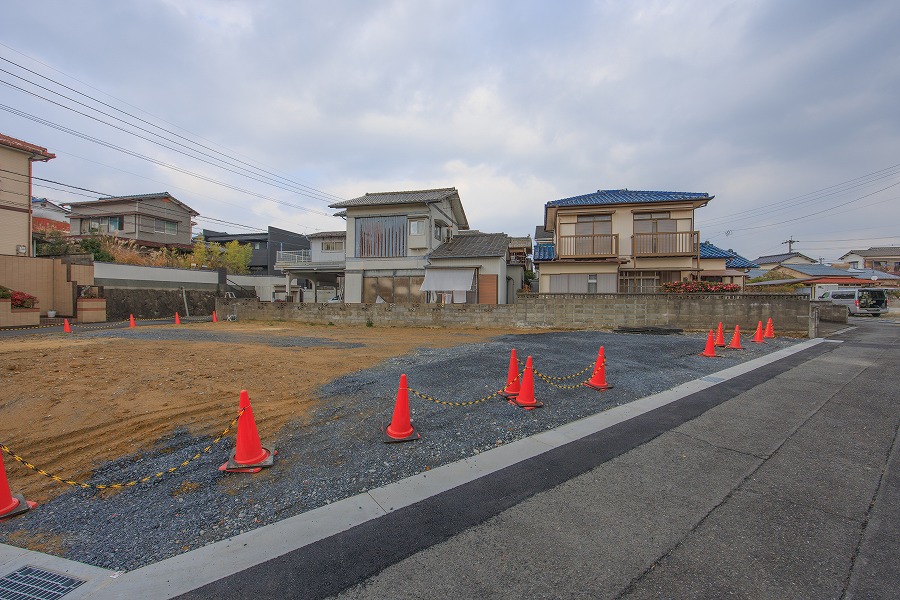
166	227
854	264
416	227
102	224
380	237
631	282
259	245
658	222
333	246
437	232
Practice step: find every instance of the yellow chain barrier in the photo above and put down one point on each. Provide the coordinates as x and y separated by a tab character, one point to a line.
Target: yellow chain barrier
95	327
548	378
446	403
113	486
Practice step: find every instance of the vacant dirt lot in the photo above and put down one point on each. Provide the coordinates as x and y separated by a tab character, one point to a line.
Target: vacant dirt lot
70	402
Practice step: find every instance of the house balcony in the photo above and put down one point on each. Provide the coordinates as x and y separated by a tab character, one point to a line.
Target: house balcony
292	258
301	260
603	245
682	243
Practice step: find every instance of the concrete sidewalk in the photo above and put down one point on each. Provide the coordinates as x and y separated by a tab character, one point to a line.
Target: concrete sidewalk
789	490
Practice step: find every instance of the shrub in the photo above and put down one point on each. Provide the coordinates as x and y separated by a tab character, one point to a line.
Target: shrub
700	287
22	300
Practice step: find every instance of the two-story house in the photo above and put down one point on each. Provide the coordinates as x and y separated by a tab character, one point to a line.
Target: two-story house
388	240
151	220
16	159
881	258
619	241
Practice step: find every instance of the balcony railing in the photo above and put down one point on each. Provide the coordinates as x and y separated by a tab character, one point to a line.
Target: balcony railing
603	245
293	257
683	243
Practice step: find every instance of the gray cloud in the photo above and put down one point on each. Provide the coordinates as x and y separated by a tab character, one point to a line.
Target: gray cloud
515	103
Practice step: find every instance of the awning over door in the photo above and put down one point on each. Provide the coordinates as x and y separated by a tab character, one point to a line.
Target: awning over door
448	280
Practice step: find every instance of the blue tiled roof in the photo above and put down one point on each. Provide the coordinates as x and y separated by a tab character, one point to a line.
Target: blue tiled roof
544	252
708	250
733	260
628	197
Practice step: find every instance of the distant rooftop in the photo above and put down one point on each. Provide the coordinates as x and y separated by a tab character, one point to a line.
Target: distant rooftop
779	258
816	270
877	251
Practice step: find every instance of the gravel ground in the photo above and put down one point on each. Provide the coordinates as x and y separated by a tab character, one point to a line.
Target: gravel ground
339	452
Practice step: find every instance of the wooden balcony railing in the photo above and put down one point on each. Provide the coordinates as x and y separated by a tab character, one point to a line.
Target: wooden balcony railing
683	243
603	245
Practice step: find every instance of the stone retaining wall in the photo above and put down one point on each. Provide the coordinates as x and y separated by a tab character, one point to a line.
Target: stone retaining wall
790	313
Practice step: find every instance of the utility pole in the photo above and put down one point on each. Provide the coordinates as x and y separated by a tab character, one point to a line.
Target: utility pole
790	242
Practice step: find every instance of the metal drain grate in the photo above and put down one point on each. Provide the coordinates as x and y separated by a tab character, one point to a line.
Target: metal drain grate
31	583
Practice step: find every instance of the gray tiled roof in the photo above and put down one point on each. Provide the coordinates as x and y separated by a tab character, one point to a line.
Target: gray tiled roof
410	197
116	199
328	234
777	258
520	242
601	197
471	245
541	234
816	270
877	251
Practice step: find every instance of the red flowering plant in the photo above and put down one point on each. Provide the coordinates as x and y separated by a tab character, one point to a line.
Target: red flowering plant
18	299
700	287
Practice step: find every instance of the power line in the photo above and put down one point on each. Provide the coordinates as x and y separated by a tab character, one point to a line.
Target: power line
153	160
152	141
284	179
832	190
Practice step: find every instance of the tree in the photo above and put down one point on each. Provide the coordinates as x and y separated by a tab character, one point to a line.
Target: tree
236	257
95	245
53	242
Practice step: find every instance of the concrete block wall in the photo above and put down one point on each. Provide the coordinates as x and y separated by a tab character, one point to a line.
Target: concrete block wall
790	313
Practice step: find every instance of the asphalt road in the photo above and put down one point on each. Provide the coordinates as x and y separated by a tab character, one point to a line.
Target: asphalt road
782	483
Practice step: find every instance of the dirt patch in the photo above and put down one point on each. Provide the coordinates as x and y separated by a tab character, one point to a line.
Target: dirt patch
72	402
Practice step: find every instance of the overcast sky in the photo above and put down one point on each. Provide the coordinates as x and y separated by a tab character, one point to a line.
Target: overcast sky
788	112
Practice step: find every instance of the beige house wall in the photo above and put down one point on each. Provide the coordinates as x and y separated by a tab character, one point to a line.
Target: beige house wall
15	201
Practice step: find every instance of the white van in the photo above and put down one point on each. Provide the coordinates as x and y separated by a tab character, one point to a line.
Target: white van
859	301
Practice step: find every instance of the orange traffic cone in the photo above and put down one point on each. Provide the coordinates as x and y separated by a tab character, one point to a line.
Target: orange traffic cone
401	429
720	337
525	399
177	319
770	329
131	322
758	336
512	378
66	327
710	349
249	456
215	320
598	380
736	339
11	504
